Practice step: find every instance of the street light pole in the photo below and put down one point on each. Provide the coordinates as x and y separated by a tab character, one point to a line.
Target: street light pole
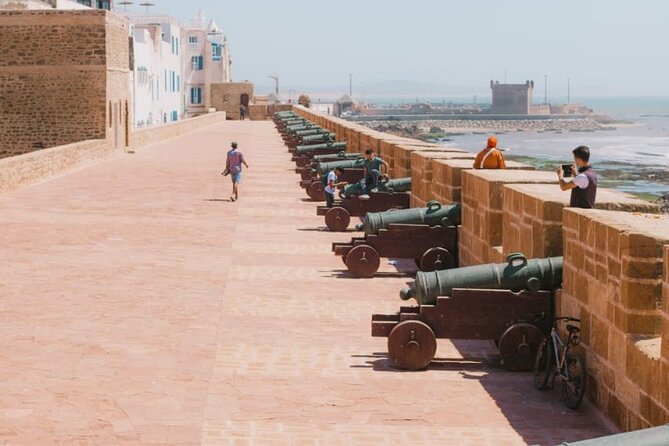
276	82
350	85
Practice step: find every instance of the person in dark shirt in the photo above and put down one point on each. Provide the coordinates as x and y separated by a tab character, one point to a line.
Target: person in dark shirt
584	185
374	169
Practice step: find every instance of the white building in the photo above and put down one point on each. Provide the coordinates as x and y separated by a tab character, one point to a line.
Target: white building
207	61
157	70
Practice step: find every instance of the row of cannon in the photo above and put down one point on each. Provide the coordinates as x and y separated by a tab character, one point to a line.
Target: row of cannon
510	303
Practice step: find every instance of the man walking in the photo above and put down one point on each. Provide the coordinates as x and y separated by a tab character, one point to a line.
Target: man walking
233	166
490	157
584	185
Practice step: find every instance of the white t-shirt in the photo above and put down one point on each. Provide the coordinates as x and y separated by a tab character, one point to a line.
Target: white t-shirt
581	181
331	177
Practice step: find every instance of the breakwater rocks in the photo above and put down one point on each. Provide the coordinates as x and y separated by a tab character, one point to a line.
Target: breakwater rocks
430	129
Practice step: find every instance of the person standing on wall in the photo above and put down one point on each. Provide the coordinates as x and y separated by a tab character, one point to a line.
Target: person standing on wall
233	167
490	157
584	185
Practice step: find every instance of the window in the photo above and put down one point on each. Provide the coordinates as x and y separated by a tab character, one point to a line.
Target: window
215	51
84	2
103	4
196	95
178	83
142	76
177	45
165	80
174	82
175	115
192	40
197	63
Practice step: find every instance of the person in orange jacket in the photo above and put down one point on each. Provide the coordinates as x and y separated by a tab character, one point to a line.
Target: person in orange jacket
490	157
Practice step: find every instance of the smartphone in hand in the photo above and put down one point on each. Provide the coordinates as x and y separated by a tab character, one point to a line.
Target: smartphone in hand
566	170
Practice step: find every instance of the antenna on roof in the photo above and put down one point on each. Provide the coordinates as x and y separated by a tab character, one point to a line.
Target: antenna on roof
148	5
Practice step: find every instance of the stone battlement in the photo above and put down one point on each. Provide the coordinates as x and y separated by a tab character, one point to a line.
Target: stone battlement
616	276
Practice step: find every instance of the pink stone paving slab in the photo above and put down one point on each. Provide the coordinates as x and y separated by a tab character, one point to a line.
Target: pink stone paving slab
139	306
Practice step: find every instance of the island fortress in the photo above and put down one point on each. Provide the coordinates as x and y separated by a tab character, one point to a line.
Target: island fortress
67	103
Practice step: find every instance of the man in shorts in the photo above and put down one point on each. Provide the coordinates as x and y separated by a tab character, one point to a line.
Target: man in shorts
233	166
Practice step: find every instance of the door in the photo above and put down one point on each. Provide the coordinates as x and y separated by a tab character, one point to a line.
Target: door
244	100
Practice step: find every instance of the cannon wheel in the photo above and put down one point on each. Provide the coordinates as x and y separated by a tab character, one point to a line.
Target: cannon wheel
518	346
435	259
363	261
337	219
411	345
315	191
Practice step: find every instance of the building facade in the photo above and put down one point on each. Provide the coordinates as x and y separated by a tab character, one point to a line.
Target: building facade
157	70
207	62
512	99
64	78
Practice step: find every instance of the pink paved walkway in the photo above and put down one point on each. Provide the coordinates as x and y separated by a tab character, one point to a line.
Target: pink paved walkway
137	306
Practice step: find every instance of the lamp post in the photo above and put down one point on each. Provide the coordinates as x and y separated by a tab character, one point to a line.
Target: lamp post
350	85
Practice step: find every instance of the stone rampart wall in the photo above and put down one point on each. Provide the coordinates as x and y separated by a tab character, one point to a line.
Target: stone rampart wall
616	273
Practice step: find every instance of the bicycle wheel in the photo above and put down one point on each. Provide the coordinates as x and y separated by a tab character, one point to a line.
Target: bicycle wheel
543	363
573	388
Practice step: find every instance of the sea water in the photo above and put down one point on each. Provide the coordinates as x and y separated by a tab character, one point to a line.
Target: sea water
637	146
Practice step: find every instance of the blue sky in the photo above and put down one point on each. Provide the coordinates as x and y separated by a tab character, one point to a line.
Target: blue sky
606	48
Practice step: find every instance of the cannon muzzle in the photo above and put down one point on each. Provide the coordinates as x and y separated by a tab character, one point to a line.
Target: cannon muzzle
516	274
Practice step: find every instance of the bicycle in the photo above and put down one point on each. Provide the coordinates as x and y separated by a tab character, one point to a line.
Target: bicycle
555	358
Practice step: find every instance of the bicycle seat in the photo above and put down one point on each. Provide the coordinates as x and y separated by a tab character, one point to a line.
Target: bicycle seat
573	328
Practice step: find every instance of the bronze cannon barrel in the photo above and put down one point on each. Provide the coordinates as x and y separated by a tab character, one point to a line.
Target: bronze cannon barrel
395	185
516	274
434	214
303	150
328	166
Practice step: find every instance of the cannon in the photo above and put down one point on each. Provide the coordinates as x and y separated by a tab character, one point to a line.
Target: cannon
517	322
433	214
389	185
309	150
320	138
324	167
517	273
653	436
315	188
432	245
338	217
293	139
304	163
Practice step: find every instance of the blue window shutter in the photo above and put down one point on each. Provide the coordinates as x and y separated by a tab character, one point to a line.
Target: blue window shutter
165	80
200	62
199	95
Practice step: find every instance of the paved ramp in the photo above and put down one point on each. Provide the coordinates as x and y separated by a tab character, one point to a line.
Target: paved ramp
139	306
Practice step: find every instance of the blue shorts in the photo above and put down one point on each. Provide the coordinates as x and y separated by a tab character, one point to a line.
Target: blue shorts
236	177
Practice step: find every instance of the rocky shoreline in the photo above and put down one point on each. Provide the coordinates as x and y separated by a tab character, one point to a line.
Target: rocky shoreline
440	130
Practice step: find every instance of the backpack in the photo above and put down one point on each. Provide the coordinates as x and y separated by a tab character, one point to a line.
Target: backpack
324	180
